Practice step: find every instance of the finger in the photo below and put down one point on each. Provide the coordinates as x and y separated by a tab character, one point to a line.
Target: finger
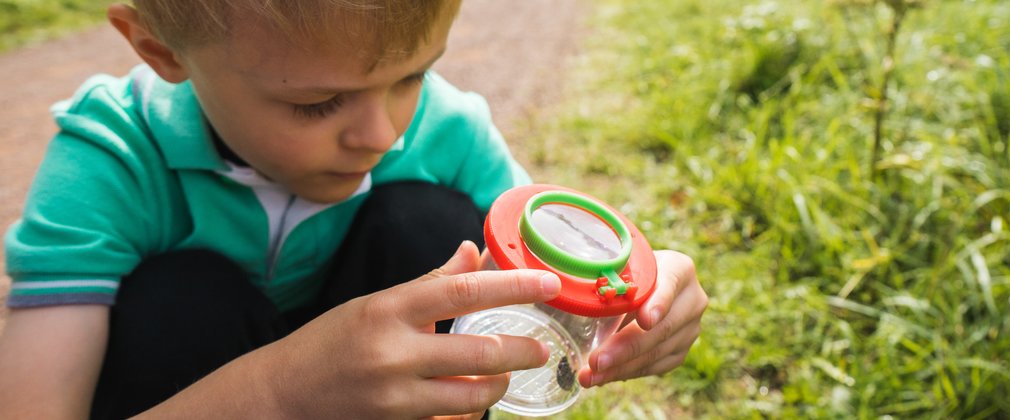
486	260
647	364
462	354
465	259
633	341
668	363
471	416
424	302
675	273
588	378
460	395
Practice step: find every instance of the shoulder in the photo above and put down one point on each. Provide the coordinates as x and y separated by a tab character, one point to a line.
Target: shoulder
103	116
102	98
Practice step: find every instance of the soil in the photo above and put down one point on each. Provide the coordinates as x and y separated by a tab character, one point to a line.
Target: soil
513	53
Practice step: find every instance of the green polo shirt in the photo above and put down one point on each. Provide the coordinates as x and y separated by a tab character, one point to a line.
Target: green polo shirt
133	173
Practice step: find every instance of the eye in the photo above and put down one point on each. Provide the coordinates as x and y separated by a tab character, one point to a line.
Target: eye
320	109
414	79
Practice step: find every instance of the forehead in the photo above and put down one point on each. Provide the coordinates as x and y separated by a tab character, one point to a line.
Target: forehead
346	58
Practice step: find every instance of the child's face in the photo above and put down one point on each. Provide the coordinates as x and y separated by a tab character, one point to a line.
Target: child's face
314	120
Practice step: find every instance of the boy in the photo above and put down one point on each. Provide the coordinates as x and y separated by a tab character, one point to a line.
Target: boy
232	229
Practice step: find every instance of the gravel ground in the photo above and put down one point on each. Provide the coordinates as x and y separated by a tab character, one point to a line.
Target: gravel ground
513	53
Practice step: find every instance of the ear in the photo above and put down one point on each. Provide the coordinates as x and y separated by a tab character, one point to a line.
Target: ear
152	50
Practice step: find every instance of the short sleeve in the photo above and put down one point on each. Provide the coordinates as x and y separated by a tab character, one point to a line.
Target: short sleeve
84	224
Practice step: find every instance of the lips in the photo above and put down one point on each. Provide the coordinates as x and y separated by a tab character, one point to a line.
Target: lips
364	166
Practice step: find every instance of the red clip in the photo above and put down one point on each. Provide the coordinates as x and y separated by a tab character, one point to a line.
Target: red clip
632	290
626	277
611	292
606	294
600	282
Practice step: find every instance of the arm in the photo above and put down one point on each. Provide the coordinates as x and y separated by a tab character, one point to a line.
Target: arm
50	358
378	357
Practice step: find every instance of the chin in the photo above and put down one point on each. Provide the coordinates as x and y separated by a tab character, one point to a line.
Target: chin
327	196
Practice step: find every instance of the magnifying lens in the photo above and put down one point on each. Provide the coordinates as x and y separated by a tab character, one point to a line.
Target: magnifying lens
606	267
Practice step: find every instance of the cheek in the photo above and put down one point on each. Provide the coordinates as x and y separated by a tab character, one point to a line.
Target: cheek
241	123
402	110
270	142
289	150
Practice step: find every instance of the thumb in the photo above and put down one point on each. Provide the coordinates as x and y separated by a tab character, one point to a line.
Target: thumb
472	416
465	260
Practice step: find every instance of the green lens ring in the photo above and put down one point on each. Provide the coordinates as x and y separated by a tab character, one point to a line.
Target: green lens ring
562	260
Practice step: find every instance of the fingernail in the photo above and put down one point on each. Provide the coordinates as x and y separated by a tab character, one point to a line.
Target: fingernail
655	314
461	245
550	283
546	352
603	362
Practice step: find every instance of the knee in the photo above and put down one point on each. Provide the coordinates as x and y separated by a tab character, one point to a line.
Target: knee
178	316
422	210
200	286
184	275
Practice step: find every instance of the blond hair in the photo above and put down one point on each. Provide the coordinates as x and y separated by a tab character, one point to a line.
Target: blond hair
389	28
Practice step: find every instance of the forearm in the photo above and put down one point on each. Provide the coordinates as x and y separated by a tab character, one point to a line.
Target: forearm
50	360
243	388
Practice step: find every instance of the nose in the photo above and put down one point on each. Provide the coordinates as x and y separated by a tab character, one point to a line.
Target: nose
371	128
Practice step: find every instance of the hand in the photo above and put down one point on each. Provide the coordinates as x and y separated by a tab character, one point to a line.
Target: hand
378	357
662	330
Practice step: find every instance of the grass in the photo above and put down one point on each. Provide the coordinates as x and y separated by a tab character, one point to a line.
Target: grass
854	272
28	21
742	133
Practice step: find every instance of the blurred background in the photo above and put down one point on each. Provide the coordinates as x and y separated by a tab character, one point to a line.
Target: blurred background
839	171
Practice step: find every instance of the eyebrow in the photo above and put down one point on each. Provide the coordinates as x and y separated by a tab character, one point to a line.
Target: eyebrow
335	90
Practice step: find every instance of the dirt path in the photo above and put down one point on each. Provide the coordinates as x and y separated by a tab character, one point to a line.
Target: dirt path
511	52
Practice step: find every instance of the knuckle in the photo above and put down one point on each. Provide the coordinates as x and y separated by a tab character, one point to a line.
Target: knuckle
655	355
383	305
677	361
518	287
669	364
635	347
496	390
488	354
643	372
392	360
389	402
482	395
434	274
687	262
386	358
687	271
667	328
464	290
703	302
376	306
695	331
478	395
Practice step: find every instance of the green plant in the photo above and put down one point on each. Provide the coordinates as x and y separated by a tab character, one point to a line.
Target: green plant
27	21
738	132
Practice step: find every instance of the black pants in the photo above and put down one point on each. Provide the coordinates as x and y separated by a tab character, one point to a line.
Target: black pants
181	315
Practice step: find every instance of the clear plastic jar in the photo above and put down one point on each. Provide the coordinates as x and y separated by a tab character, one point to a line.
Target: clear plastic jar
569	338
589	246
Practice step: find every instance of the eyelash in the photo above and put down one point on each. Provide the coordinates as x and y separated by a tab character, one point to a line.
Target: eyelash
327	107
319	110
